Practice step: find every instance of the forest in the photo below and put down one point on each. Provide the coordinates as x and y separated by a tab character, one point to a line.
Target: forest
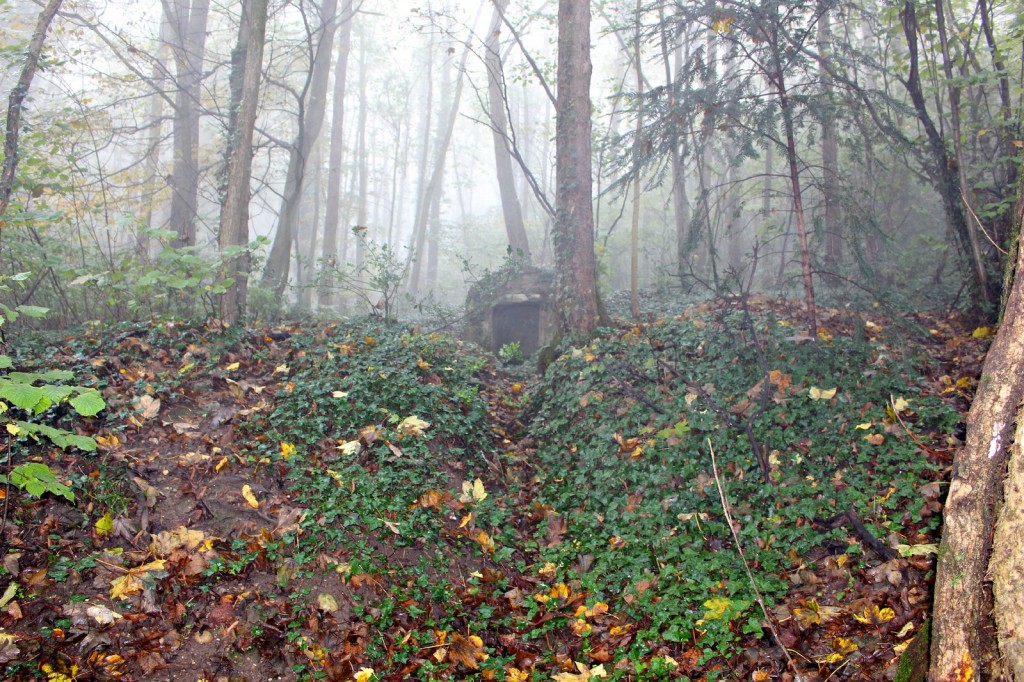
523	340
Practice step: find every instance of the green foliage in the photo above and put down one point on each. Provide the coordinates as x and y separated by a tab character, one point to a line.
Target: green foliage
374	282
35	393
511	353
635	486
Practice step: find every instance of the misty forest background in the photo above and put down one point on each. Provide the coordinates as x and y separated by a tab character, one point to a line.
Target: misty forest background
401	149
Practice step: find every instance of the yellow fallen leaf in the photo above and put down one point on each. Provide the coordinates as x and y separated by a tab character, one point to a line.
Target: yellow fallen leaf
250	498
486	542
816	393
364	675
473	492
350	447
875	438
874	615
327	602
412	426
981	332
287	450
864	427
105	525
132	582
281	369
232	367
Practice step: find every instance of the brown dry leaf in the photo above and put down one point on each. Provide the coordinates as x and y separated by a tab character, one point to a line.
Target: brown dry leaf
9	651
147	406
486	542
167	541
132	581
467	650
585	673
875	438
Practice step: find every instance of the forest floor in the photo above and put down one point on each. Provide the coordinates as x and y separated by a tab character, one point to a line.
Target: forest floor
357	501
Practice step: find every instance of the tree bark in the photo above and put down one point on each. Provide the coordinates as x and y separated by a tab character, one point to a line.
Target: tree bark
188	26
962	609
16	104
829	149
575	263
1007	565
943	168
234	217
510	207
329	254
311	118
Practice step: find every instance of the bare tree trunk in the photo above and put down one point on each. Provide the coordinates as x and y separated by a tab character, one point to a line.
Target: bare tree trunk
275	275
362	207
329	254
497	104
962	613
188	24
234	217
973	228
575	263
634	232
798	207
434	185
943	171
829	151
16	103
154	177
308	229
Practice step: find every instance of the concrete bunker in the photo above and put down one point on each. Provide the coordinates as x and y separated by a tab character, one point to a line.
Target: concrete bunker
512	306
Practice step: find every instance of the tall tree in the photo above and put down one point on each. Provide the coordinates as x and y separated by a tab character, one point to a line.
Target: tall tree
312	107
234	216
573	237
963	611
329	254
497	101
188	29
16	103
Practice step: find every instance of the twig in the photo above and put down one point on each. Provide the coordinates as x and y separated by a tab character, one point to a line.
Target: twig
746	566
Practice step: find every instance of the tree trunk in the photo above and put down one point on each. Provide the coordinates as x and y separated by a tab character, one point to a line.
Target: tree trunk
961	618
188	24
943	168
575	264
16	103
497	102
634	232
829	151
234	216
329	254
311	118
154	177
434	184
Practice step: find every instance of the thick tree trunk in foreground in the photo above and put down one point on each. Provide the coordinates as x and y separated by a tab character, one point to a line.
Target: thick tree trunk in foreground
1007	565
960	645
234	216
575	264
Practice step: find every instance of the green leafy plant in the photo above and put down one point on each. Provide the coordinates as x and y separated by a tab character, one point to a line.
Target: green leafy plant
511	353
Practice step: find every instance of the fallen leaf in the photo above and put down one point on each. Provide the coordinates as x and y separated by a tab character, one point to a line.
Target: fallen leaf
327	602
585	673
467	650
147	406
412	426
816	393
875	438
250	498
103	615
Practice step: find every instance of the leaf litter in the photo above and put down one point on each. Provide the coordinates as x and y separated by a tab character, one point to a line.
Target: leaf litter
198	548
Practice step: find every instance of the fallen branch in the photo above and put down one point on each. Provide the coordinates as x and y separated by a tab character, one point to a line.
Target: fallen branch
726	509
